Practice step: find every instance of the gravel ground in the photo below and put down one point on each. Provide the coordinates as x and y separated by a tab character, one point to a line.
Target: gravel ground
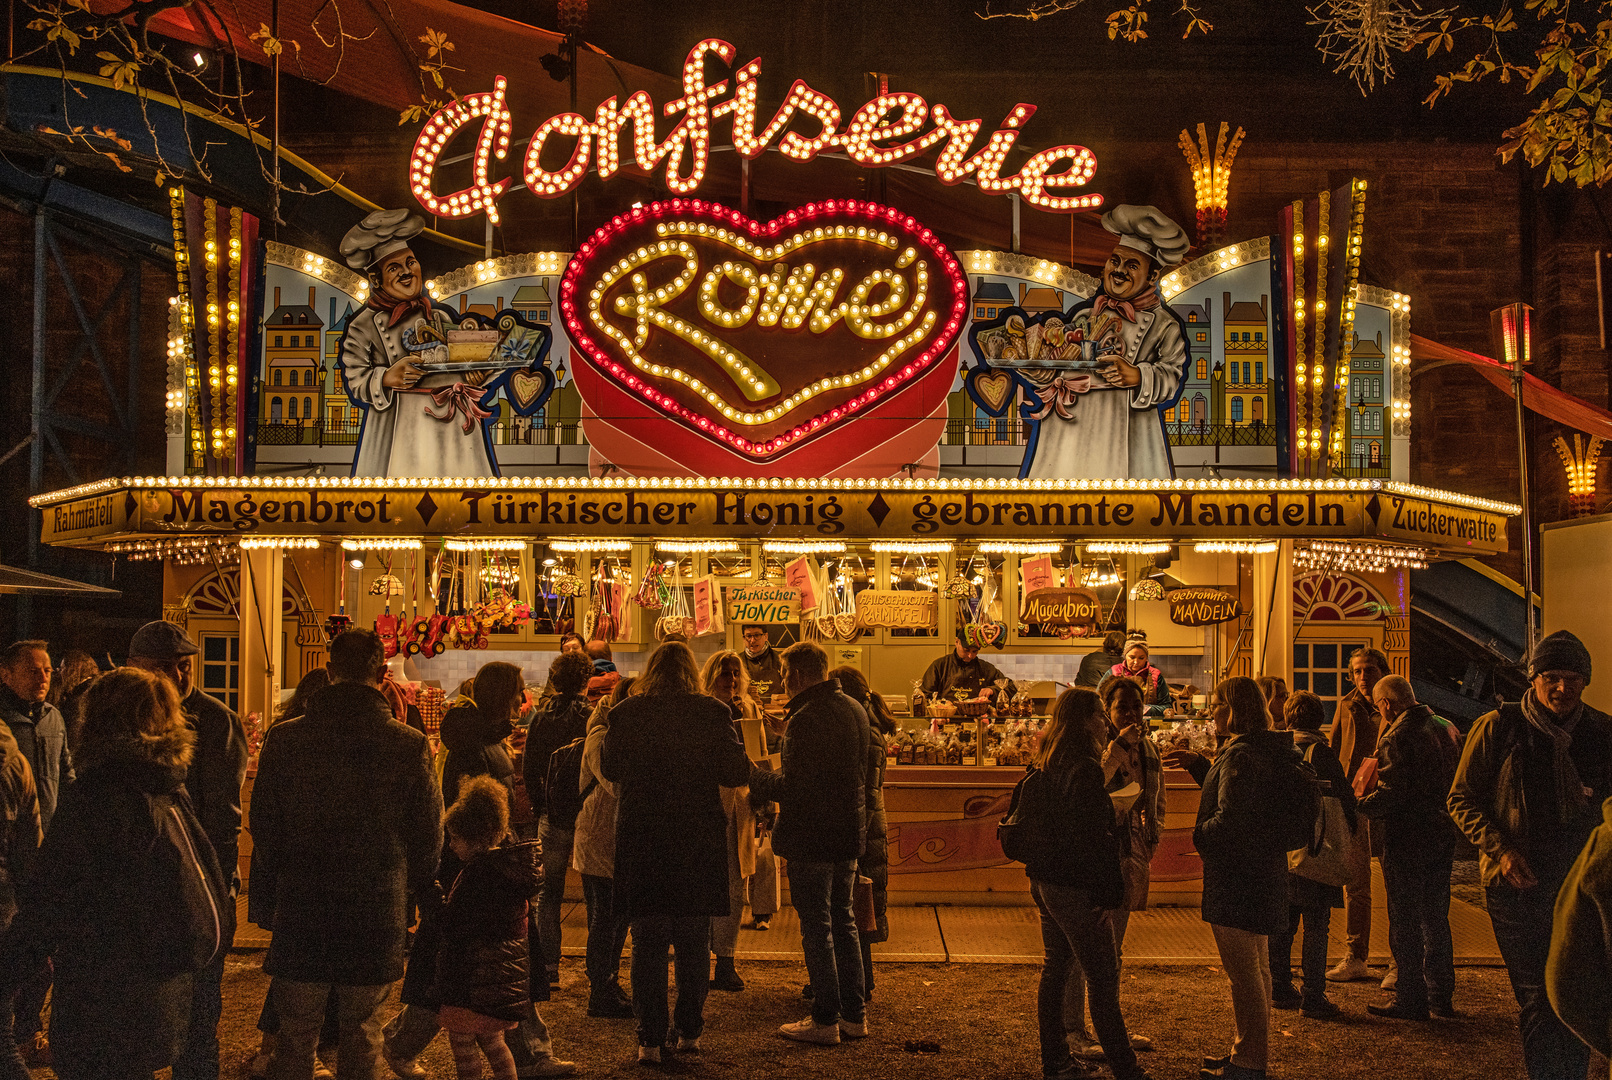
983	1018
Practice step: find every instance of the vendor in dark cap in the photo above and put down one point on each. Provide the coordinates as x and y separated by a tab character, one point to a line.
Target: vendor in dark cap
961	675
416	422
217	770
1528	793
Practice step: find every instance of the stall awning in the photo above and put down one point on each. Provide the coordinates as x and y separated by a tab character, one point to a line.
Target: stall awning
1537	394
15	581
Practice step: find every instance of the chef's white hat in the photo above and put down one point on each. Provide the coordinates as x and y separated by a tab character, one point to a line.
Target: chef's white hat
1147	230
379	235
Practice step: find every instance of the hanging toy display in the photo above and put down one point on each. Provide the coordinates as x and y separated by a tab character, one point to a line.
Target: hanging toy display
339	623
386	623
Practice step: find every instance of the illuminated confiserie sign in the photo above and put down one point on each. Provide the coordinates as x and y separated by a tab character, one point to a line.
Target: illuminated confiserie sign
761	339
873	138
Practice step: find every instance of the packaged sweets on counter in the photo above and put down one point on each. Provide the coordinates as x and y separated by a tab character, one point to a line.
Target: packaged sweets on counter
1185	735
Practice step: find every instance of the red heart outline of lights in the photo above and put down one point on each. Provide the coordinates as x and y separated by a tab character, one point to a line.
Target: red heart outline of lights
837	211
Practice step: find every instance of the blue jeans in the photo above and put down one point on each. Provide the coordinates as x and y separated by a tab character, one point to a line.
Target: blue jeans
1418	888
556	859
821	893
199	1061
1522	924
1313	953
689	938
607	934
1072	926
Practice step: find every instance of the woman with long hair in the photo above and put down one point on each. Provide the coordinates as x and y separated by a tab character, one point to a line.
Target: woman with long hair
1075	881
128	900
875	860
593	855
1241	838
67	688
307	686
474	730
1275	690
725	679
670	750
1130	757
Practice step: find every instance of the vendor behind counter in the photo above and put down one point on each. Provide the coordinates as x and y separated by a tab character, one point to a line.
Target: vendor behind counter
761	663
961	675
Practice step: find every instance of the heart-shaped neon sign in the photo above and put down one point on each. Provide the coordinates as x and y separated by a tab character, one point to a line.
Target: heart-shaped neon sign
762	339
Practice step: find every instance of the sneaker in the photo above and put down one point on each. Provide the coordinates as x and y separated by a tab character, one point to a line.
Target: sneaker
1390	980
688	1046
1320	1009
1141	1042
649	1055
853	1029
1083	1048
547	1065
810	1031
323	1070
402	1066
1348	970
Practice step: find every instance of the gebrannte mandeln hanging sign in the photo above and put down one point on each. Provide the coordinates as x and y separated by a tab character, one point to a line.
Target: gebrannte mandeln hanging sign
888	130
711	344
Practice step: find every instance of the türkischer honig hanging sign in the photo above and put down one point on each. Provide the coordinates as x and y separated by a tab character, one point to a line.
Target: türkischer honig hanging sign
890	129
759	341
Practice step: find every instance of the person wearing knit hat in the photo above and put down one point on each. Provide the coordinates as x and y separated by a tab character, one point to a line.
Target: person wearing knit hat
1528	793
1561	651
416	422
1108	423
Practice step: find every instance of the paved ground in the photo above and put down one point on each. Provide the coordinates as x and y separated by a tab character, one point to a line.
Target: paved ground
983	1018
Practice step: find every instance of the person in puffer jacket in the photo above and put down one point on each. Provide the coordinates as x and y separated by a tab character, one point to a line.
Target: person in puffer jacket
482	963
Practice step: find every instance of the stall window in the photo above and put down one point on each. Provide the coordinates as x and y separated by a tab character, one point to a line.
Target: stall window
849	574
1323	669
553	613
732	565
221	668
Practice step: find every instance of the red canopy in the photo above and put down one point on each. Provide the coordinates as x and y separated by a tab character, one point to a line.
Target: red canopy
1537	394
372	50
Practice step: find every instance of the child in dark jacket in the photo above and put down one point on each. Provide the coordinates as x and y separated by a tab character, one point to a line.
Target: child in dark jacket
481	970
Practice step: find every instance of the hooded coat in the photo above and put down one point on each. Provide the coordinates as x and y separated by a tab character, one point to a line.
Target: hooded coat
475	747
482	964
101	907
346	826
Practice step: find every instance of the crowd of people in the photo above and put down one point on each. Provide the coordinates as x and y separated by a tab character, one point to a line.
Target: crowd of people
379	864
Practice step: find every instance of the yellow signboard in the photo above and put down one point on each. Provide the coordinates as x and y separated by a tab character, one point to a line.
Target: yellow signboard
830	511
897	609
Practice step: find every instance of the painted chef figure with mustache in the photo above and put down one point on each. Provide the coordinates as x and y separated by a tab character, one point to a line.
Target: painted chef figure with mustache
1109	424
416	422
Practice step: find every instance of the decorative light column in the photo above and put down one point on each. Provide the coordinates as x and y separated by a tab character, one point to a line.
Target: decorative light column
1512	333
